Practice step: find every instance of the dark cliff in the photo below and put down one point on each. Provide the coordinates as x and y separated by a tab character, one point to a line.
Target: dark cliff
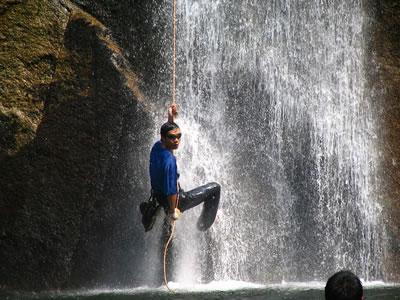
144	30
73	123
383	64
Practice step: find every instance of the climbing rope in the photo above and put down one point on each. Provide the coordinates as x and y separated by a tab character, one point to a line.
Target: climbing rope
165	255
173	101
174	53
168	242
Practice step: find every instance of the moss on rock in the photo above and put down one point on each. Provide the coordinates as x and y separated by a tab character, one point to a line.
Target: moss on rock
70	114
32	36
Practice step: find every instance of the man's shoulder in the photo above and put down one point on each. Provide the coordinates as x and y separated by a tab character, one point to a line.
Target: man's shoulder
158	150
156	147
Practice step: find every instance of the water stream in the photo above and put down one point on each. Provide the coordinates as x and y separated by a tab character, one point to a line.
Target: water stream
274	107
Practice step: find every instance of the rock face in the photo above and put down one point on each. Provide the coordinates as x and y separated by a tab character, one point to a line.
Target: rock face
72	127
144	30
385	84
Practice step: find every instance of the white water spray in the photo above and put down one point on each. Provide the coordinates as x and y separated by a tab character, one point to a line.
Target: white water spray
275	109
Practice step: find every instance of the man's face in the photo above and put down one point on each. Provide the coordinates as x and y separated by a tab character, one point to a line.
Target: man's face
172	139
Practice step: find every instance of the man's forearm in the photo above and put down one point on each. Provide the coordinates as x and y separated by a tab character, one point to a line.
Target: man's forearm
172	112
172	200
170	118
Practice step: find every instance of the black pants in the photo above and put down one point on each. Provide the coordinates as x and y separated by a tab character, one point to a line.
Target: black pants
208	194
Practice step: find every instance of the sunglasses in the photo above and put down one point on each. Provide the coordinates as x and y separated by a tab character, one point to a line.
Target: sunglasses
174	136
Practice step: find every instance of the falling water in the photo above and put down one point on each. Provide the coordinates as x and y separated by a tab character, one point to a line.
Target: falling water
275	108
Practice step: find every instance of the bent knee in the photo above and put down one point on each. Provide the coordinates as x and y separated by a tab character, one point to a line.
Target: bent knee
215	186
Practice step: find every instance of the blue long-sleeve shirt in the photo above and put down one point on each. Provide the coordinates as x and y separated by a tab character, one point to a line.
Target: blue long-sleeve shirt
163	170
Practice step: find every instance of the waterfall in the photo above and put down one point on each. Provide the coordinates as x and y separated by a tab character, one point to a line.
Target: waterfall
274	107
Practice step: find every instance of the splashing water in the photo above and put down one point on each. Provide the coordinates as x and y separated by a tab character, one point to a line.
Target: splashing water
275	109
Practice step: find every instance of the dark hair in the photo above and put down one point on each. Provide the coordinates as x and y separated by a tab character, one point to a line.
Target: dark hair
168	127
343	285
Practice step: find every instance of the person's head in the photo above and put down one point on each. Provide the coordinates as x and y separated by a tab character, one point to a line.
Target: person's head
170	135
343	285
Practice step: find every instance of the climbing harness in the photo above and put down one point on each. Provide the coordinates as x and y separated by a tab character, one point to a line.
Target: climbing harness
173	101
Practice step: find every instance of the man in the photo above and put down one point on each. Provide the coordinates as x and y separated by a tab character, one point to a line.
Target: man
344	285
164	179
